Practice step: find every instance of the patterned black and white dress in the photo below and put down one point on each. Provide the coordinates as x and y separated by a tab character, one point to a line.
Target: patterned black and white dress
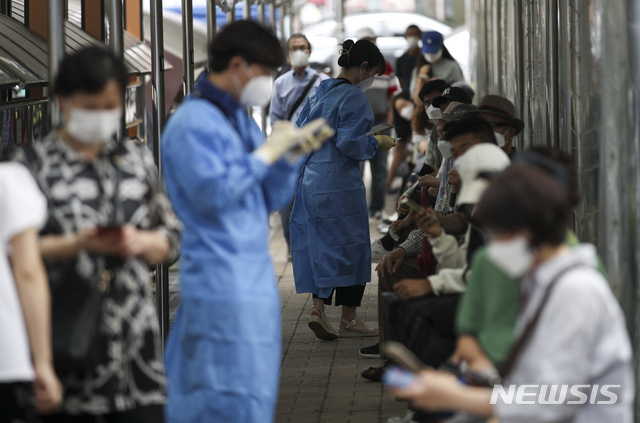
119	186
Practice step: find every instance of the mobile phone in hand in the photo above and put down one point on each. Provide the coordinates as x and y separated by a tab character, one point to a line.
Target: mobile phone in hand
413	205
398	378
109	230
390	297
426	169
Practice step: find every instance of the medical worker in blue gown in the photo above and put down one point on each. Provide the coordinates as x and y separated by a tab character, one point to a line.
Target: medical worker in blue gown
223	178
329	226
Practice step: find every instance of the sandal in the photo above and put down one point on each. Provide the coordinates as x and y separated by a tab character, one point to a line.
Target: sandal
351	332
374	374
318	326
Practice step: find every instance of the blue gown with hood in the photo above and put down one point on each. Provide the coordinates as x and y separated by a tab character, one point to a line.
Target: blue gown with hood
329	226
223	352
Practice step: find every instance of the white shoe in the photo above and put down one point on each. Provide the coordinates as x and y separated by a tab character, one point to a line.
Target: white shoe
383	228
377	250
389	219
408	418
376	217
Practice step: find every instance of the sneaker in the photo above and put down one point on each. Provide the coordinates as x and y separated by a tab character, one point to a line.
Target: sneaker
370	352
389	219
383	229
375	217
377	250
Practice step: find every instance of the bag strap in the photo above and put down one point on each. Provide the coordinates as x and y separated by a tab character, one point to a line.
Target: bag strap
517	348
303	96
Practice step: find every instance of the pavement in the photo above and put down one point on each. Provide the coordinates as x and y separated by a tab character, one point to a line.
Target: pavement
320	380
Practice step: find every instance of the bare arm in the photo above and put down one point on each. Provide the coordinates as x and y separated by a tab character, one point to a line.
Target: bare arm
33	290
152	246
469	350
454	223
60	247
436	390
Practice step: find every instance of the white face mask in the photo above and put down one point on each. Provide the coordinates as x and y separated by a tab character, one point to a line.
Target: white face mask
366	84
299	59
93	126
433	57
445	148
257	92
407	112
414	42
500	139
434	112
514	256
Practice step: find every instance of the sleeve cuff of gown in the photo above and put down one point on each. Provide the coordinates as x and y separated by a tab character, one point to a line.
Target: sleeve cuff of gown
258	165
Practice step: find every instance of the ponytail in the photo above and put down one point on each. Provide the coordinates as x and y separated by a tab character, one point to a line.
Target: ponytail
353	54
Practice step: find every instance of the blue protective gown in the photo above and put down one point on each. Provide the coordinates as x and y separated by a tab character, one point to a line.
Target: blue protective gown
223	353
329	226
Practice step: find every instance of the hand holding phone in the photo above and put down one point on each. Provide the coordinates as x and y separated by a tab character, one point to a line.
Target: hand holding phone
413	206
108	230
397	378
427	169
380	129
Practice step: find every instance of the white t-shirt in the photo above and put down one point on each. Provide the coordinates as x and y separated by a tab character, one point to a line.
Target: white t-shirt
22	206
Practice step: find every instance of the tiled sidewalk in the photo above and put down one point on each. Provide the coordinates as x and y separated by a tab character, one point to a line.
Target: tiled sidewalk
320	380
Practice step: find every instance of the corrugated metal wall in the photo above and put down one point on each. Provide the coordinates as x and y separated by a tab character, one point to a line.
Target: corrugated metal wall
572	67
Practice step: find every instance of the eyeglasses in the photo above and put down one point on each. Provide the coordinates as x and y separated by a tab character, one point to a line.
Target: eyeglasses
299	48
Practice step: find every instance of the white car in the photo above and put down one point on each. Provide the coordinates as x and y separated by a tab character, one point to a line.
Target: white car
389	27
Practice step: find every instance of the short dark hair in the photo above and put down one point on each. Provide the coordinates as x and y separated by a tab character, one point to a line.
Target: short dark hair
475	125
295	36
525	198
89	71
412	26
438	85
556	163
249	40
353	54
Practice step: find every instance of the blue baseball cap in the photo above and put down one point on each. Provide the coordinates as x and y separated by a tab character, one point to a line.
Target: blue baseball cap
431	42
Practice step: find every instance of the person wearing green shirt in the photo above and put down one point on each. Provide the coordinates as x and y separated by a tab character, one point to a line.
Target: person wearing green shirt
487	313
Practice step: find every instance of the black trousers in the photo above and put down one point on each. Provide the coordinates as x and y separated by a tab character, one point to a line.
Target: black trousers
148	414
348	296
16	401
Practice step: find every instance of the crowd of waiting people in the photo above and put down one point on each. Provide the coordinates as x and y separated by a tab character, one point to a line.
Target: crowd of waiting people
480	276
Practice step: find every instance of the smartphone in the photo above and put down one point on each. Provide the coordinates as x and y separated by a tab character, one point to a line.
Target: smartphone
379	128
398	378
426	169
401	355
413	205
390	297
109	230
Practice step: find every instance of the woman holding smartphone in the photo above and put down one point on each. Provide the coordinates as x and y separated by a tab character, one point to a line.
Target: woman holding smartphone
108	219
329	227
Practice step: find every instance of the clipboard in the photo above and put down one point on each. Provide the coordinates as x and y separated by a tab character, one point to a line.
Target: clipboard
381	127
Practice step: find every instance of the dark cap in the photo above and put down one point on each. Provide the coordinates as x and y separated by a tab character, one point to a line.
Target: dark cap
453	94
431	42
500	106
458	113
